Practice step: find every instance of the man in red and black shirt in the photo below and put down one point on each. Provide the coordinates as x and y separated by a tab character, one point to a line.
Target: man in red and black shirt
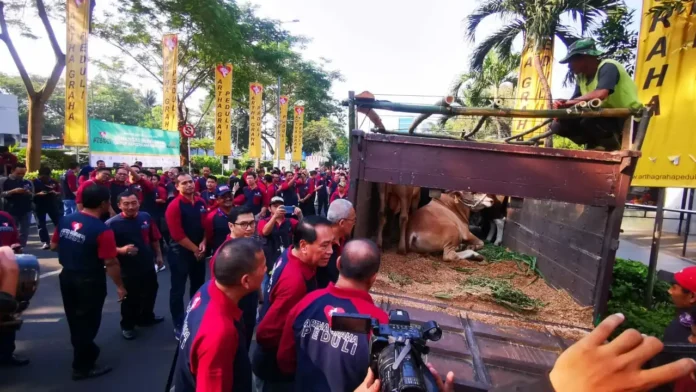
85	246
217	226
308	348
271	188
137	239
342	217
293	277
185	216
129	178
251	196
69	188
202	180
288	190
213	356
103	178
209	193
277	231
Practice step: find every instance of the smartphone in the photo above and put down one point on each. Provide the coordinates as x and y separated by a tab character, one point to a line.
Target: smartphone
289	211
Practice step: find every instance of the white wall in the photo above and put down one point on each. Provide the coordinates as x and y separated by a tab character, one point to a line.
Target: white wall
9	115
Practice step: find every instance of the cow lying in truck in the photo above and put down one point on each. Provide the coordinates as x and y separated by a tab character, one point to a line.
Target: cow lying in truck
443	226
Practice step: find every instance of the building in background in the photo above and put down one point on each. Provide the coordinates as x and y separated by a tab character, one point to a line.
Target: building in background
9	119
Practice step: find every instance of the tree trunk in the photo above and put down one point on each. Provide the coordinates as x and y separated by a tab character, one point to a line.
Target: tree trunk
547	90
34	132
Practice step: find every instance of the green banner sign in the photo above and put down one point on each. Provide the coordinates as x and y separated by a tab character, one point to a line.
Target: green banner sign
118	139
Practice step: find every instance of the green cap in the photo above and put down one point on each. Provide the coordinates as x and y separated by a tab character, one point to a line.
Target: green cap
584	46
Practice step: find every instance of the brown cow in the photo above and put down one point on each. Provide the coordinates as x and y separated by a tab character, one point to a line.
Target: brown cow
402	200
443	225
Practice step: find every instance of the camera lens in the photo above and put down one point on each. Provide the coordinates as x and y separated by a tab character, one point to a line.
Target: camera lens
432	331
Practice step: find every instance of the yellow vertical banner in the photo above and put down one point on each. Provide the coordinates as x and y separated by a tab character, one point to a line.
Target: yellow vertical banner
223	107
666	80
170	59
297	130
76	73
530	93
255	102
283	102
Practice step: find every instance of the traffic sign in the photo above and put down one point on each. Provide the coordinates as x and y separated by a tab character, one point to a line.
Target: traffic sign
188	130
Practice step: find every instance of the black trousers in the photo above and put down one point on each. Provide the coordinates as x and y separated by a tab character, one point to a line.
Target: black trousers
7	343
183	266
322	206
83	300
308	207
139	305
594	132
41	211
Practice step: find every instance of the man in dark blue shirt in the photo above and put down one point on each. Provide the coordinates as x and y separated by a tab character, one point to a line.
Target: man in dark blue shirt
85	246
212	355
18	194
209	193
320	359
217	226
46	201
137	241
185	218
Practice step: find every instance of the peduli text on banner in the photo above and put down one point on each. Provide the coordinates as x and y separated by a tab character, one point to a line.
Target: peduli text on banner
170	59
76	128
223	108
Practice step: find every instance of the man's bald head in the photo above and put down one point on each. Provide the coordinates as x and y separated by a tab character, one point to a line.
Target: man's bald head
360	260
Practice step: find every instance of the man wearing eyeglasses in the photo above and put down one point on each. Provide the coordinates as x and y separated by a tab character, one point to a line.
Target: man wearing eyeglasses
241	224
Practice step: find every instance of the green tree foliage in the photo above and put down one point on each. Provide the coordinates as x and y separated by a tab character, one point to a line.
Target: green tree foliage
338	153
210	32
203	144
109	99
616	38
320	135
537	22
14	13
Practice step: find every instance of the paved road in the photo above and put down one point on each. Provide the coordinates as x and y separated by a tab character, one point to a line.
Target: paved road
139	365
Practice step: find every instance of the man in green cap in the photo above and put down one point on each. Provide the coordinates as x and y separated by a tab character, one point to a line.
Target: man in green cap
606	80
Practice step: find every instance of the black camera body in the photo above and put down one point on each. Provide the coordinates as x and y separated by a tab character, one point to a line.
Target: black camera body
396	349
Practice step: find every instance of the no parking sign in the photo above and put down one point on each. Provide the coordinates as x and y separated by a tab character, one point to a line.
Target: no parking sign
188	131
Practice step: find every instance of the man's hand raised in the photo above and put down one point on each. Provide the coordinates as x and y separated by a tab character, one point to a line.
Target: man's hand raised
592	365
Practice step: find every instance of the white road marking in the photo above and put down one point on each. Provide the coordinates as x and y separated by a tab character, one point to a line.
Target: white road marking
47	274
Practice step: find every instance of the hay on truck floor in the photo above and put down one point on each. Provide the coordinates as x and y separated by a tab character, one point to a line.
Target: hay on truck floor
467	285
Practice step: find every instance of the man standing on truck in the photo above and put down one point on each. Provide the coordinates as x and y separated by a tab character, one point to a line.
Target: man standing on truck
603	79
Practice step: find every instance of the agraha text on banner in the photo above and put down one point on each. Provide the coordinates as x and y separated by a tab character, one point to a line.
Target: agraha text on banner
530	92
297	130
255	102
76	73
170	58
223	107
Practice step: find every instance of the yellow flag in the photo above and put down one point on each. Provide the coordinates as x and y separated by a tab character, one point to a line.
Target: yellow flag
170	58
280	154
223	107
298	128
76	73
666	80
255	101
530	93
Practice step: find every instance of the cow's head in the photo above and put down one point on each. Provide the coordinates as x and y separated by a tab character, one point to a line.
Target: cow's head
472	200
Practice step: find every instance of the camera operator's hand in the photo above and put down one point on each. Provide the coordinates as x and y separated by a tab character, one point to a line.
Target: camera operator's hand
448	385
591	365
369	384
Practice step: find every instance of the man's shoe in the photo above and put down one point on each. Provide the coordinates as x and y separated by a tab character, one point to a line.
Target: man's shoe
14	361
92	373
151	322
8	304
46	246
128	334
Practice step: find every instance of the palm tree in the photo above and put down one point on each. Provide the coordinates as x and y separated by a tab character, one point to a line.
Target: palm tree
537	21
478	89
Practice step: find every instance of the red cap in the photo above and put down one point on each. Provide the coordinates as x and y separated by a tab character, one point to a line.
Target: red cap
686	278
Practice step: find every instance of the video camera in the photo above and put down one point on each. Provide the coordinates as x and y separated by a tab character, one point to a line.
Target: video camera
396	348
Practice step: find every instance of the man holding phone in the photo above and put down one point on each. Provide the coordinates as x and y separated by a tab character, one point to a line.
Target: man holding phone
277	231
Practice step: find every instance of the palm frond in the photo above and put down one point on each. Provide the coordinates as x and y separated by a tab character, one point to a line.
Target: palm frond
502	39
566	34
587	12
486	9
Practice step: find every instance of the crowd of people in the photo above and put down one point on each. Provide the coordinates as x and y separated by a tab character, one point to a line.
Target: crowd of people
280	264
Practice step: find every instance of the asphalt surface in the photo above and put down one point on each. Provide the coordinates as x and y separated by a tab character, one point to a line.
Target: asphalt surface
139	365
